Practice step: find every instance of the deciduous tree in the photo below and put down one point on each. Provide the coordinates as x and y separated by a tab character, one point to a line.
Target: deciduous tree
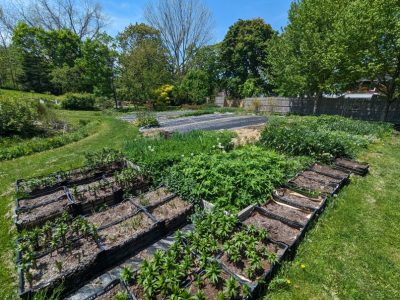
244	55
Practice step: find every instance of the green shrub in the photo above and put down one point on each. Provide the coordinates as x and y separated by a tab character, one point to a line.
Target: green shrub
156	155
232	180
18	115
20	147
323	138
146	119
79	102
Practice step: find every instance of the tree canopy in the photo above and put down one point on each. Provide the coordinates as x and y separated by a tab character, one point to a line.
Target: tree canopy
244	56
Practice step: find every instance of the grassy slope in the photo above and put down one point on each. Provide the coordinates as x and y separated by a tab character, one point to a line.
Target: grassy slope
111	133
353	250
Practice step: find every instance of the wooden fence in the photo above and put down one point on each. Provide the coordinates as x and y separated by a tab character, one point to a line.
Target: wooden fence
371	109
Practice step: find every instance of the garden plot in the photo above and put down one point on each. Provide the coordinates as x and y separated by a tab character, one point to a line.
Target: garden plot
298	200
72	249
352	166
316	182
211	122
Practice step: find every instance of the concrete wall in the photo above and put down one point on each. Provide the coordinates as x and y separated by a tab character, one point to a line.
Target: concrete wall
371	109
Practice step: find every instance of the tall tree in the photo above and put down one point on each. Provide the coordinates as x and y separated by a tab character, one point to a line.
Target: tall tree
244	55
35	64
144	63
367	45
299	58
83	17
184	25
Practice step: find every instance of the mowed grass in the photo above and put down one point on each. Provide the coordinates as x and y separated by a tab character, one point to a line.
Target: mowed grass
111	133
353	252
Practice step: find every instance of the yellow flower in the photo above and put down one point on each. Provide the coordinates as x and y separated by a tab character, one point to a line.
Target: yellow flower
288	281
302	266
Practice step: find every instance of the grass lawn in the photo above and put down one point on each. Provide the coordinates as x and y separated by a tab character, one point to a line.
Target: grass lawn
110	133
353	250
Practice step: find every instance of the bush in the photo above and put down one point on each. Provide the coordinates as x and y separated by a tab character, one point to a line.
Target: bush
79	102
18	115
156	155
22	148
163	95
146	119
323	138
232	180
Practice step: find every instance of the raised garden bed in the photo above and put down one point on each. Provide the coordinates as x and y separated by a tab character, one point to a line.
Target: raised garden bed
306	184
353	166
38	215
296	199
322	178
288	212
113	214
69	266
330	171
278	229
242	268
100	192
153	198
41	199
37	185
173	212
211	290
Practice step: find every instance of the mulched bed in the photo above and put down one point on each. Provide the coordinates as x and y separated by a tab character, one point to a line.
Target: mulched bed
277	230
39	215
353	166
113	214
152	198
305	183
288	212
124	231
170	209
322	178
210	291
42	199
83	253
299	199
329	171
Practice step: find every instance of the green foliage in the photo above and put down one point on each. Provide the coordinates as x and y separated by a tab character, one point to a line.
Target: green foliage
323	138
156	155
193	88
103	158
231	180
37	144
79	102
367	46
144	64
163	95
18	116
299	58
146	119
244	57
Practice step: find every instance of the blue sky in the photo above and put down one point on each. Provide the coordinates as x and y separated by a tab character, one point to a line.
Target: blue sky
226	12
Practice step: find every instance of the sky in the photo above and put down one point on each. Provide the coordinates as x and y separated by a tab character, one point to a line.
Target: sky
226	12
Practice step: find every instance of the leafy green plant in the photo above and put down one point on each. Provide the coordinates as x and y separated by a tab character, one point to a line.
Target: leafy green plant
232	180
121	296
323	137
146	119
156	155
78	101
103	158
126	274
